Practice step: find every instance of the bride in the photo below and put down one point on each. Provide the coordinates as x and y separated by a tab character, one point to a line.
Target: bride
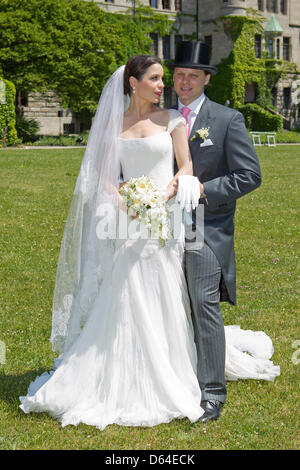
121	312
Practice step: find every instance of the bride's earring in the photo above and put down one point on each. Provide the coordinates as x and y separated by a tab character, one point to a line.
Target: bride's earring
133	90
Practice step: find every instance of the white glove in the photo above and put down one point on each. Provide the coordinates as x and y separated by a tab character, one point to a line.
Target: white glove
188	192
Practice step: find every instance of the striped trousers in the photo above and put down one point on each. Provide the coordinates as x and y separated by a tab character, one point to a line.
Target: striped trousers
203	274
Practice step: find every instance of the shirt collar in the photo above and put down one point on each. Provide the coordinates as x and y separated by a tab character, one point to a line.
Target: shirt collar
194	106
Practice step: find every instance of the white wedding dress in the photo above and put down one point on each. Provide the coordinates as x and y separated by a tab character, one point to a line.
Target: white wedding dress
134	363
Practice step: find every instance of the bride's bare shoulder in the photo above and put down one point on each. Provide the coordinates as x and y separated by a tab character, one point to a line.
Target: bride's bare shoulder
162	115
162	111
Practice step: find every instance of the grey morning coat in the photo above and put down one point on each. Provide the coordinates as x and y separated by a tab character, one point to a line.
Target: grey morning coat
228	169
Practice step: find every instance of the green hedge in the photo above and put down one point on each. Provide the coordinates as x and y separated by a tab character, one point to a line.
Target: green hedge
258	119
8	133
288	137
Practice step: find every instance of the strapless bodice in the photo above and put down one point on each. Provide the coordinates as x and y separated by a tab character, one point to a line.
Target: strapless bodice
150	156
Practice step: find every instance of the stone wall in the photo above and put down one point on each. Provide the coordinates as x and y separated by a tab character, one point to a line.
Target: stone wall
52	117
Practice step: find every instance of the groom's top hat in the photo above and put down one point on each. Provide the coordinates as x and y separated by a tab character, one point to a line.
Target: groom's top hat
192	55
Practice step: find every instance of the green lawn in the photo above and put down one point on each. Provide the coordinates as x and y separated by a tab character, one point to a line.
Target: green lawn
36	189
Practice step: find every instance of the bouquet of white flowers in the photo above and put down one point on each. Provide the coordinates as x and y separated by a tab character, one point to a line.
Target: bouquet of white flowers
145	200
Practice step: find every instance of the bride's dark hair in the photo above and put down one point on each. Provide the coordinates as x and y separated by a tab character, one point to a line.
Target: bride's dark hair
137	67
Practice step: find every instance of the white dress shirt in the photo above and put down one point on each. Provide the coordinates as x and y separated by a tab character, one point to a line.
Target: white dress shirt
195	107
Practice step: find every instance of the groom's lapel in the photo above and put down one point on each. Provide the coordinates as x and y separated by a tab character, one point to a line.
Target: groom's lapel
204	119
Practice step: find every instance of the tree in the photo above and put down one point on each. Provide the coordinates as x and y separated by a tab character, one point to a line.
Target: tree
69	46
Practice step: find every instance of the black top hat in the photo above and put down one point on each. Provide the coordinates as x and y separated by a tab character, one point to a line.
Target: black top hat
193	55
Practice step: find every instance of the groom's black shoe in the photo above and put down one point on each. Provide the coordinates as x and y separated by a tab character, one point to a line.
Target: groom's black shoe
212	410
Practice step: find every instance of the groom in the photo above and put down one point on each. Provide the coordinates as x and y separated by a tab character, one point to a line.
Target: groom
225	168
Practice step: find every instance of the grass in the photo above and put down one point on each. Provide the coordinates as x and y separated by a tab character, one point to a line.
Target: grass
36	189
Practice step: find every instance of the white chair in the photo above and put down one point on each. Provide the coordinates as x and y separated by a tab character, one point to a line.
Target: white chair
254	137
271	140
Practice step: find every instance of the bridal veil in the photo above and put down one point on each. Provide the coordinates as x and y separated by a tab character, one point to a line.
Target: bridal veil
85	257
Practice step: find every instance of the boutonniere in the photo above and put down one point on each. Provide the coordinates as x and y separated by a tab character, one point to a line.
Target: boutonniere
202	133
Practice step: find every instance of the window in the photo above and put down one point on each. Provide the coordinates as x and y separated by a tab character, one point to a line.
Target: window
168	97
260	5
257	46
286	49
283	7
153	3
24	99
271	48
166	4
272	6
154	37
109	1
274	96
286	97
166	47
69	128
208	40
178	5
178	38
250	92
278	48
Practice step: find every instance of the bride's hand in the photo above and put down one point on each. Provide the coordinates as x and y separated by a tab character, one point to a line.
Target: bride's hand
124	208
120	199
171	189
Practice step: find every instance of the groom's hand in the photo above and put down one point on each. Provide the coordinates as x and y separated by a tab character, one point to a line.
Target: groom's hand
188	193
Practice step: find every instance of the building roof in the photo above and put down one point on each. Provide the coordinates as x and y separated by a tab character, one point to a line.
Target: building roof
273	25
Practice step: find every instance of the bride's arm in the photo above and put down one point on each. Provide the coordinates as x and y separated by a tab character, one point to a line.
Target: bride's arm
183	158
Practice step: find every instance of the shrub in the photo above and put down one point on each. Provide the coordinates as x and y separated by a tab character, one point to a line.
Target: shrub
63	140
288	137
27	129
8	133
258	119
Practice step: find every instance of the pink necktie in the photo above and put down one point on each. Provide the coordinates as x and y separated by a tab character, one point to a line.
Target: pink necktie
185	112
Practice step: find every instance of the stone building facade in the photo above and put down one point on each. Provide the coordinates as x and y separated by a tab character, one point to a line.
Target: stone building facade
281	40
200	19
54	120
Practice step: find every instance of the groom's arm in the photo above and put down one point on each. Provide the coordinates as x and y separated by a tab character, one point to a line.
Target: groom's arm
244	170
